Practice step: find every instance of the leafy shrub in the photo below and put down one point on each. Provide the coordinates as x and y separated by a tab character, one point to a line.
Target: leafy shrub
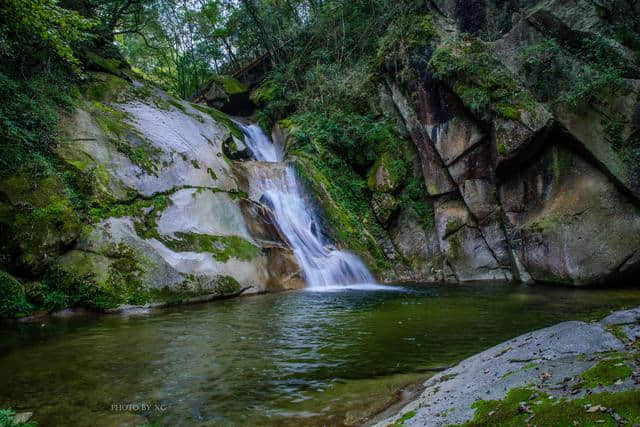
13	302
28	117
480	81
405	33
574	74
59	289
7	420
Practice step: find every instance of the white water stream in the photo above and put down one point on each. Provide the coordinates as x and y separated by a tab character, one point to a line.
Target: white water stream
324	267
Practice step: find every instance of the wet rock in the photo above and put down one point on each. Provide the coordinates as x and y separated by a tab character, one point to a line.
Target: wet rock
284	272
179	212
384	176
235	149
464	246
455	137
556	225
418	246
383	205
547	358
437	179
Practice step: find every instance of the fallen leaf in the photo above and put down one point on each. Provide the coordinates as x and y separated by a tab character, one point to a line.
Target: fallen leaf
597	408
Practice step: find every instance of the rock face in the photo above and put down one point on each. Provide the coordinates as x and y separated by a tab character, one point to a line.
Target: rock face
531	166
565	361
167	196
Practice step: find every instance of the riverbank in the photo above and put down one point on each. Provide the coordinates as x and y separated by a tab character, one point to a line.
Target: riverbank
570	373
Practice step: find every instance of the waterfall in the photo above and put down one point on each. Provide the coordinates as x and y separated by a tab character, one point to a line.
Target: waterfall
322	264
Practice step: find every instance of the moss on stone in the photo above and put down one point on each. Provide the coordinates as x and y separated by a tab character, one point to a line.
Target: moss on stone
348	212
618	332
387	173
229	85
405	417
478	78
221	118
178	105
454	250
38	215
606	372
222	248
196	286
116	125
106	87
546	411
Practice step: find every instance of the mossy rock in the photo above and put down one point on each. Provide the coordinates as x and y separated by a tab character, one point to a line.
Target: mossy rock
221	118
546	411
235	149
386	174
223	248
37	219
229	85
383	205
113	66
13	302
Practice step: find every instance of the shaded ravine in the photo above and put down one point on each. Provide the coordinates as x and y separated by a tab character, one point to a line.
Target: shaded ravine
323	265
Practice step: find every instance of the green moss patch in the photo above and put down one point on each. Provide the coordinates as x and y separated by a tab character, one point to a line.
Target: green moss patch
196	286
116	125
229	85
38	215
404	418
478	78
222	248
522	406
606	372
221	118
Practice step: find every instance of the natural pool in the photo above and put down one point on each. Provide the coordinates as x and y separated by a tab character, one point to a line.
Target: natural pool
302	358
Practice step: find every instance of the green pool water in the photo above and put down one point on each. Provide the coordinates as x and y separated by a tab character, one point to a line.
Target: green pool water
302	358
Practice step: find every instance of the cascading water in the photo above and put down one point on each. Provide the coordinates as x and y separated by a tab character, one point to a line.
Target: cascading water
322	264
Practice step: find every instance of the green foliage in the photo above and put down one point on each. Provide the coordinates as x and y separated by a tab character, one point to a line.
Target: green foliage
544	67
13	302
575	74
59	289
356	138
480	81
414	196
29	111
43	25
7	419
404	34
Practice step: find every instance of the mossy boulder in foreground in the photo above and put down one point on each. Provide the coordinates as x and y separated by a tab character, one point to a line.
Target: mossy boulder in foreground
573	373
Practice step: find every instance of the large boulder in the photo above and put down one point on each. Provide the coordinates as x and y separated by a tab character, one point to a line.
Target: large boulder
573	225
168	207
227	94
37	221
